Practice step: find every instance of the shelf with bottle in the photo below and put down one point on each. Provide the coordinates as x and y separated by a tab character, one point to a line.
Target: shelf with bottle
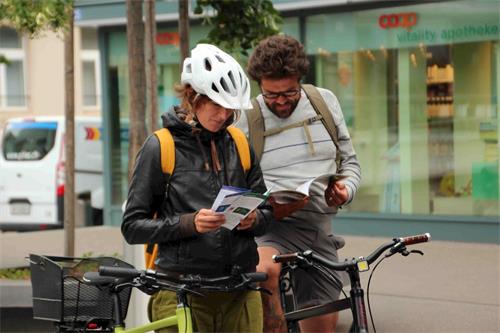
440	91
437	75
440	110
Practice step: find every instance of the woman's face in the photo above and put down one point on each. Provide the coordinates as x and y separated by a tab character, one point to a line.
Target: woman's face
212	116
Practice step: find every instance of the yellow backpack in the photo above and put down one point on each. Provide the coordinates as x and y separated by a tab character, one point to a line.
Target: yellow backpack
167	156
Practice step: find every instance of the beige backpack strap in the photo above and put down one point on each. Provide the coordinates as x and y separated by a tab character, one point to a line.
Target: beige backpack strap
256	128
319	105
277	130
304	124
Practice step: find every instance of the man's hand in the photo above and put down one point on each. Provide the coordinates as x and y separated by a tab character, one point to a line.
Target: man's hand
248	221
207	220
336	194
282	210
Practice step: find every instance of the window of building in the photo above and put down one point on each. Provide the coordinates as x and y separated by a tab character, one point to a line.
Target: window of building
12	72
90	69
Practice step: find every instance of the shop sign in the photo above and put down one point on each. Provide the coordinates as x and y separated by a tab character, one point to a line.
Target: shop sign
167	38
400	20
423	24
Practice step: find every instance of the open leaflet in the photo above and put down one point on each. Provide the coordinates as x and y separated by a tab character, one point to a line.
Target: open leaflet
236	203
304	190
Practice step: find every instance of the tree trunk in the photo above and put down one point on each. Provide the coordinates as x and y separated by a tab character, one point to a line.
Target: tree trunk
184	29
151	77
69	143
137	80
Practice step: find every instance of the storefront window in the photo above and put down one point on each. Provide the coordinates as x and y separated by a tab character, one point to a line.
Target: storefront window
418	86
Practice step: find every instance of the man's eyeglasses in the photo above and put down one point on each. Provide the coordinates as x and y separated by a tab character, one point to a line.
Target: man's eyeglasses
286	94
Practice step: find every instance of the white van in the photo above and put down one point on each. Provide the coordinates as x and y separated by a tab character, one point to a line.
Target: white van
32	171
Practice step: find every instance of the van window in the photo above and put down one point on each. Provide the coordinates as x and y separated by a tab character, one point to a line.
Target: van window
28	141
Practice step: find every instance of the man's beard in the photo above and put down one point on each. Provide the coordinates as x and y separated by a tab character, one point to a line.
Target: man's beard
285	112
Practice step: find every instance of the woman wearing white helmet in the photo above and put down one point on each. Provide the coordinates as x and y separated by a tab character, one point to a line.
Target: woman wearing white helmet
191	241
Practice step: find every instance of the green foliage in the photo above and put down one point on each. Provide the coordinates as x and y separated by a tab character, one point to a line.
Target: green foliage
91	254
4	60
238	25
34	16
15	273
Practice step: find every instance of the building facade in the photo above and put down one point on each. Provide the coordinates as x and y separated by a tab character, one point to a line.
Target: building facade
418	83
32	78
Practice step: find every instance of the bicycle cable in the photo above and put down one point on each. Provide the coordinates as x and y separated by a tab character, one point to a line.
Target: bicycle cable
368	293
336	280
189	303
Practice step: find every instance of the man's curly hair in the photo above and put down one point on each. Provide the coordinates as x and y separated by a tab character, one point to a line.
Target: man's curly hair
277	57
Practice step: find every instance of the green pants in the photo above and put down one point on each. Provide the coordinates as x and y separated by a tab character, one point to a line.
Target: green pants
216	312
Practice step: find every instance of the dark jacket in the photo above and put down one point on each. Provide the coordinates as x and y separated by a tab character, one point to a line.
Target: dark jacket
193	185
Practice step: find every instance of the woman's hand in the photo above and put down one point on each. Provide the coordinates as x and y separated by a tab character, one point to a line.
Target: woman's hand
207	220
248	221
336	194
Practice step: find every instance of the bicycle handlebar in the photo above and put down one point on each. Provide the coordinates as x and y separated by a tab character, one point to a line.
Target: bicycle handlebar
119	272
396	245
192	281
410	240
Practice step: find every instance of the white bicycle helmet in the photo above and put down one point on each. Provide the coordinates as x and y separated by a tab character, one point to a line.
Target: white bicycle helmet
214	73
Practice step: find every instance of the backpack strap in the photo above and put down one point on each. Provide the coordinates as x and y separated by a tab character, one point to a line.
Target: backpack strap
319	105
256	128
167	150
242	146
167	157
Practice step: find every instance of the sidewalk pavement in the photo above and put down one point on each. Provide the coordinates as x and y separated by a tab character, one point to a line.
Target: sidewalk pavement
454	287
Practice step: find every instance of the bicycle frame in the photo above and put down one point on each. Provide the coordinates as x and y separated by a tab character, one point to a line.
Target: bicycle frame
182	318
359	322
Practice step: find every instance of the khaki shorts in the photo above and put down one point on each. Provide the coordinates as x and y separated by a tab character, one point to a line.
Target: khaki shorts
216	312
311	287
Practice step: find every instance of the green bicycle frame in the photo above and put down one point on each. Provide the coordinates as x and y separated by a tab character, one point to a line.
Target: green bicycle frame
182	319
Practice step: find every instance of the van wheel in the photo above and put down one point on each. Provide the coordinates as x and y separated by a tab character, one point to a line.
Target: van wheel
97	218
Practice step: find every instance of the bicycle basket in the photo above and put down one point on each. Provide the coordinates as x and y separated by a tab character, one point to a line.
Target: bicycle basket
60	295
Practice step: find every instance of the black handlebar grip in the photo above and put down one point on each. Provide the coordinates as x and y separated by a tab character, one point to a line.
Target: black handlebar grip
287	257
415	239
119	271
257	276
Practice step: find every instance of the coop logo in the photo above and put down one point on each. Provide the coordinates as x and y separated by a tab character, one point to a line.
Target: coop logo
401	20
92	133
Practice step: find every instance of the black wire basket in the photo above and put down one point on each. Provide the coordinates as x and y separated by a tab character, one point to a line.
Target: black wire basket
60	295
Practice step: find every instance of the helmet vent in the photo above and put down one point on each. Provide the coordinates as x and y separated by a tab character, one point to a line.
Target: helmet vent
208	65
188	68
231	77
224	85
219	58
214	88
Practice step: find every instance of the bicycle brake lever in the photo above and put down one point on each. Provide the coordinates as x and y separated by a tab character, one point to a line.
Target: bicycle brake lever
417	251
193	292
149	290
261	290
